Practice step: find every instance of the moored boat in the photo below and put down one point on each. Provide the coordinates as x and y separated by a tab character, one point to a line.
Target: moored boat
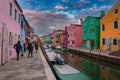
65	71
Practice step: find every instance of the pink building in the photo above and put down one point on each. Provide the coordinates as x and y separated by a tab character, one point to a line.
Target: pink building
65	37
74	35
10	28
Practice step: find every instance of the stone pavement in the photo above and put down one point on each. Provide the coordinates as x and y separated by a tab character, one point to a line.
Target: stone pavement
27	69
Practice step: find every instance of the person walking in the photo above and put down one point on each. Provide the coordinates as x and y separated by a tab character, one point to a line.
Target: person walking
36	47
18	48
30	49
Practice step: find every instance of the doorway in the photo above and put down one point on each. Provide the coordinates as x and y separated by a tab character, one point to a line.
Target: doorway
4	44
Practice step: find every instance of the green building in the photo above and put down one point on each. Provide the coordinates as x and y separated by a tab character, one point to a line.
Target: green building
49	39
91	31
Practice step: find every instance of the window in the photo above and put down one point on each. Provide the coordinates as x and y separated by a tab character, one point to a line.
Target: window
84	24
115	24
92	31
15	14
103	27
92	21
116	11
10	39
103	41
84	41
114	41
68	35
19	18
84	32
10	9
73	42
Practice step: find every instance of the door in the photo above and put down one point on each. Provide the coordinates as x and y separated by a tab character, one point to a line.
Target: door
4	44
108	44
119	44
88	43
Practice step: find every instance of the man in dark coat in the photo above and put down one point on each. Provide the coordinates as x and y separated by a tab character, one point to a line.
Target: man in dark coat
30	49
18	47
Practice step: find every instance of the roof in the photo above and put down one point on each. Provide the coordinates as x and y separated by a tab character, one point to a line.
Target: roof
111	9
18	5
75	25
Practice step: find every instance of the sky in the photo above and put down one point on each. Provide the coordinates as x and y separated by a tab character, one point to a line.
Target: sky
46	15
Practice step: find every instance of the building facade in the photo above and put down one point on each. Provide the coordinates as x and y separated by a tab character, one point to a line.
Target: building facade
10	28
110	29
91	31
74	35
65	37
56	37
49	38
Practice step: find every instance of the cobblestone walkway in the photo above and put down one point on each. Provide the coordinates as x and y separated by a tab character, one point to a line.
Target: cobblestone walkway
24	69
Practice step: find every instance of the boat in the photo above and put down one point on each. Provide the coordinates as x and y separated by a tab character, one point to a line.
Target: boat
65	71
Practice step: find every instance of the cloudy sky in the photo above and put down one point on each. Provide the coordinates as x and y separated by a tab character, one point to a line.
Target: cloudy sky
46	15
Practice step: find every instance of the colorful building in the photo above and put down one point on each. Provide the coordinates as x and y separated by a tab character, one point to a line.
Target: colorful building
91	31
49	38
28	32
10	28
56	37
74	35
110	29
65	37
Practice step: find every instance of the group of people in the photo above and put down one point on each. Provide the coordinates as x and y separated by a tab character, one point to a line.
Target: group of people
26	47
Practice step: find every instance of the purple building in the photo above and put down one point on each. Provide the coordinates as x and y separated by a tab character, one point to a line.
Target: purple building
10	28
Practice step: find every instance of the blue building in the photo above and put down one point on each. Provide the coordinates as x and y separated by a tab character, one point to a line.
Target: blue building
23	31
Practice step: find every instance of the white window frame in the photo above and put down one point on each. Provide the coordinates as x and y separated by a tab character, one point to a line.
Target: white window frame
92	21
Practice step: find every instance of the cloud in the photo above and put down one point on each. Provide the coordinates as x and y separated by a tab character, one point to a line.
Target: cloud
59	7
65	0
44	21
101	0
92	11
79	4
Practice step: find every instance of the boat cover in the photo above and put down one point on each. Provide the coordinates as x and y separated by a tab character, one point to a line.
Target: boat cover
51	56
66	69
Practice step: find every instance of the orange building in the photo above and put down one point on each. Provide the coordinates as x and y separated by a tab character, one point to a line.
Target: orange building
110	29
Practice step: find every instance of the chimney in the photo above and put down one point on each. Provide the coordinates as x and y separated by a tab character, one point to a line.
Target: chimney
81	21
102	14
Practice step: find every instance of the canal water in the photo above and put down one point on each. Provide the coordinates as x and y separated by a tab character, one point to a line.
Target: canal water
97	70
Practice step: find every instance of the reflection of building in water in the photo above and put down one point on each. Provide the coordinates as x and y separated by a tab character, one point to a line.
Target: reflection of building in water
109	74
92	69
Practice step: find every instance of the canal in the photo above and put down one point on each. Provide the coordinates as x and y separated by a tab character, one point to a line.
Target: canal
97	70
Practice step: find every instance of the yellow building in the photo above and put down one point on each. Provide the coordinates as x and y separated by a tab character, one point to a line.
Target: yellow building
110	29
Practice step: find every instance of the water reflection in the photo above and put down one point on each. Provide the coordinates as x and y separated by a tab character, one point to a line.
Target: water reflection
95	69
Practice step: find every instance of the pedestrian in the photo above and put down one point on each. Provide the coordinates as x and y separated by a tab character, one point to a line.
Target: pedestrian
22	51
18	48
30	49
36	47
25	47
